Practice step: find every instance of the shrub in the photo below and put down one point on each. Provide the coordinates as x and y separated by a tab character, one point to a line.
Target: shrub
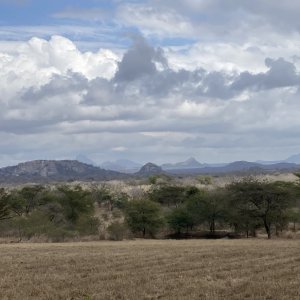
117	231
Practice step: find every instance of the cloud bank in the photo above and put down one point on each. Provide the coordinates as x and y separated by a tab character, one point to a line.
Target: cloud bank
215	79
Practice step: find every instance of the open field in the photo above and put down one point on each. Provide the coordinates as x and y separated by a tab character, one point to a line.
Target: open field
152	269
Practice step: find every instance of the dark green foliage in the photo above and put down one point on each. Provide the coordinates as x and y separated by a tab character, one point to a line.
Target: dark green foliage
167	195
293	215
207	207
87	225
261	200
144	216
180	219
75	201
37	211
27	199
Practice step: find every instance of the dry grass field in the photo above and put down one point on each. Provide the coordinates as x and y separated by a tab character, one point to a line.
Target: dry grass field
152	269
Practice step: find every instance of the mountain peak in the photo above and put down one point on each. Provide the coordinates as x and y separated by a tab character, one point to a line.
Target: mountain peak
192	160
190	163
150	169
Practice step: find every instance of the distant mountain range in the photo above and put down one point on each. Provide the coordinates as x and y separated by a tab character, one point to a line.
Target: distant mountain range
131	167
239	167
122	165
43	171
190	163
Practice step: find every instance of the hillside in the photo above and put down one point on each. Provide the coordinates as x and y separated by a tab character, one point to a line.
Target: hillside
52	170
149	169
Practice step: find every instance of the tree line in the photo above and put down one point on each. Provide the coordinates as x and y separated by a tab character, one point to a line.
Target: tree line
242	208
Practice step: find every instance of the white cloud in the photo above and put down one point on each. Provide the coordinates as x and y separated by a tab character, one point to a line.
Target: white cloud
34	63
53	94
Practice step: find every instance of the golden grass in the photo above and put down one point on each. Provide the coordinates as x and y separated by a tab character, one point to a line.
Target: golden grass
193	269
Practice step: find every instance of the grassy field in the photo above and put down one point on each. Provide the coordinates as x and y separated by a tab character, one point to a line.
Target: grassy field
193	269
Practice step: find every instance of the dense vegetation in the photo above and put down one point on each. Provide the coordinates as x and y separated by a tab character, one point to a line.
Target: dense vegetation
241	208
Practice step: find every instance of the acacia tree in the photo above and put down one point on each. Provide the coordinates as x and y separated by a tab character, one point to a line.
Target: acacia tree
25	200
207	207
144	216
74	201
294	217
168	195
180	219
265	200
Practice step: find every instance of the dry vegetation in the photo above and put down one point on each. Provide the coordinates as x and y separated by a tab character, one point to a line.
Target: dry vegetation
152	269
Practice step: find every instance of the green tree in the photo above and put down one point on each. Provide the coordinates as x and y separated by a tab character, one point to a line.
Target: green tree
180	219
168	195
267	201
75	202
25	200
293	216
207	207
144	216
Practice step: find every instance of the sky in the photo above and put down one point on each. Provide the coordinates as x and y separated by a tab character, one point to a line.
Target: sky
152	80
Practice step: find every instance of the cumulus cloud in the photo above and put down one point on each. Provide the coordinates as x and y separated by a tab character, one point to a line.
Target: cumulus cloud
281	73
138	105
139	60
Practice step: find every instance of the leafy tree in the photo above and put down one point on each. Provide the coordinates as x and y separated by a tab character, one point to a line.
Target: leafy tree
27	199
87	225
168	195
207	207
75	202
180	219
293	216
144	216
241	219
102	195
267	201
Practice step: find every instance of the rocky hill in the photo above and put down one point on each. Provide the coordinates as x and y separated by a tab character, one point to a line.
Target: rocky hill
53	170
149	169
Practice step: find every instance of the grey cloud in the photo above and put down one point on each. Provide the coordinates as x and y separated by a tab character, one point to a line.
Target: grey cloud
83	112
58	85
281	73
139	60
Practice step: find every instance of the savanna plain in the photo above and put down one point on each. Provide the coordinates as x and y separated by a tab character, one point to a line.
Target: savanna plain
152	269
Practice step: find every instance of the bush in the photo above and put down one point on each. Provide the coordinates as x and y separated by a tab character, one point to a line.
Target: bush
88	225
117	231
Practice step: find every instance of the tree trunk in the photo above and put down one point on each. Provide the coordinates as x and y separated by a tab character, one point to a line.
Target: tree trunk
267	227
212	226
144	232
